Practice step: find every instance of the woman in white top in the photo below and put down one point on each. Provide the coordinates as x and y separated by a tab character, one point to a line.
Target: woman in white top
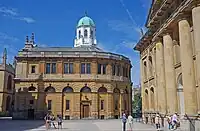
130	123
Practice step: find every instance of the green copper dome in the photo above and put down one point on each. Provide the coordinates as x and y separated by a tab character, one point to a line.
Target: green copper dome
86	21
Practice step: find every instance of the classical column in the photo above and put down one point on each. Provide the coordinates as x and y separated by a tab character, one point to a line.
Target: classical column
120	104
196	28
160	70
171	91
187	66
142	84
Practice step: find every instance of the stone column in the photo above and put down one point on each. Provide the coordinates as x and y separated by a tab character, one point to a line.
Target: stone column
120	104
187	66
171	91
160	77
196	28
142	84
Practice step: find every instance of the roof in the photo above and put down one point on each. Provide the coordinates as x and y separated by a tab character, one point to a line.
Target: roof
86	21
68	49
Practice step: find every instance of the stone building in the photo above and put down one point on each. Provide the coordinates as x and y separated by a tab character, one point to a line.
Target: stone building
77	82
169	58
7	74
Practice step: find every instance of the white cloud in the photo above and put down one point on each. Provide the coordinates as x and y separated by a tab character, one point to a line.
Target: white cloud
4	36
13	14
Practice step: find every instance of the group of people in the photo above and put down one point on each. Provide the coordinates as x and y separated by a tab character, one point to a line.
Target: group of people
172	120
50	120
124	122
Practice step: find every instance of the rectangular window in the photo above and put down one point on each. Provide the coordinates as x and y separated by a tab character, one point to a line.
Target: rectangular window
82	68
118	70
124	70
49	104
113	70
70	68
53	68
104	68
31	102
102	104
116	105
99	69
67	104
66	66
48	68
33	69
88	69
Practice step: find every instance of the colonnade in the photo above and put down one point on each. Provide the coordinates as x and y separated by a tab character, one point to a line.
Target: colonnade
165	77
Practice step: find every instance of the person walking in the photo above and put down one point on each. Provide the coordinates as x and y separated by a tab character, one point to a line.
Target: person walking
124	119
47	119
130	123
174	121
59	120
157	122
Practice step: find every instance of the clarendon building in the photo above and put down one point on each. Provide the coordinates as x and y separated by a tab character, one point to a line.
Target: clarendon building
7	73
76	82
170	58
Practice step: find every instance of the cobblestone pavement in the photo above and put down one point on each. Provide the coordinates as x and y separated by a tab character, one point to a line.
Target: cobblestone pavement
72	125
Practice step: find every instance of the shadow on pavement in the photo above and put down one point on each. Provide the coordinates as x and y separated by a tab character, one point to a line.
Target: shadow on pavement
20	125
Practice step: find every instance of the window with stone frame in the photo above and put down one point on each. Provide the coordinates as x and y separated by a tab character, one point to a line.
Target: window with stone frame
67	104
101	69
118	70
113	69
33	68
116	104
85	68
50	68
68	68
49	104
102	104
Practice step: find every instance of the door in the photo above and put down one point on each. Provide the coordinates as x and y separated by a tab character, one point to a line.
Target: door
85	111
31	114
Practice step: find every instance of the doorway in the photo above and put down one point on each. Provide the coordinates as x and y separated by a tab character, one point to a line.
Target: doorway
85	111
30	114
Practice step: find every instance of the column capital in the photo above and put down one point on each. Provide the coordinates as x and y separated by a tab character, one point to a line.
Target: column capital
157	39
167	31
195	3
184	16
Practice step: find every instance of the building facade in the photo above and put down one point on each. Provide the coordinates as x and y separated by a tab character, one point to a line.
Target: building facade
169	58
7	73
76	82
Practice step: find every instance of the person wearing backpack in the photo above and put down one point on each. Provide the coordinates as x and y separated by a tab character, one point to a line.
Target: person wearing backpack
124	121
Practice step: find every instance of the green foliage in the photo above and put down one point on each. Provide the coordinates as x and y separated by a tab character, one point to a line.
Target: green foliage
137	103
4	114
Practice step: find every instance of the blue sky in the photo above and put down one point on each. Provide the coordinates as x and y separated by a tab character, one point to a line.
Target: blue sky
118	24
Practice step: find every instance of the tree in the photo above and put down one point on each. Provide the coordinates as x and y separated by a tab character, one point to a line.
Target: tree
137	103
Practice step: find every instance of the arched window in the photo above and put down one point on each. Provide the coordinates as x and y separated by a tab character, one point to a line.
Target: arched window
79	34
9	83
145	70
116	90
102	90
85	89
150	66
50	89
180	95
8	100
31	88
85	33
91	33
152	98
68	89
146	99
